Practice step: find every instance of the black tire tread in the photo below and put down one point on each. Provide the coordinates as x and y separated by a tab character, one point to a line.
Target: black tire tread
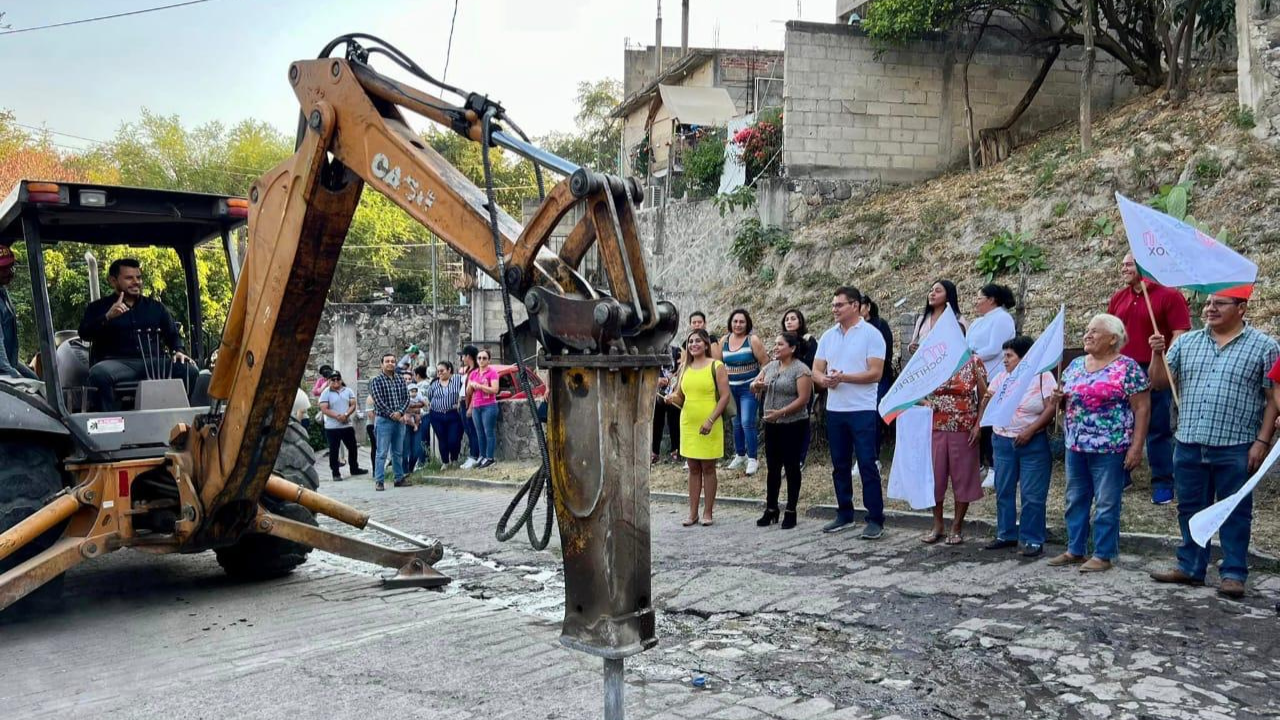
30	476
262	557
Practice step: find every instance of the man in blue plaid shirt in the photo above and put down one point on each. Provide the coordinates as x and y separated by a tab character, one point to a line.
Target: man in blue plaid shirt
1225	426
390	398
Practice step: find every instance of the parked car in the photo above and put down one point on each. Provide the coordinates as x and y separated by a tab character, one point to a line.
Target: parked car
509	387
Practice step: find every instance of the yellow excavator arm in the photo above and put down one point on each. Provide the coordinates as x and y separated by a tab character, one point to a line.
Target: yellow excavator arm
602	346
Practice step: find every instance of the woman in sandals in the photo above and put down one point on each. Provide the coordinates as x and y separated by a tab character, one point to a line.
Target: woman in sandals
1108	407
701	392
955	447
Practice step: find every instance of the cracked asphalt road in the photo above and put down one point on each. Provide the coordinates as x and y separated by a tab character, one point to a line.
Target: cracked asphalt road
781	624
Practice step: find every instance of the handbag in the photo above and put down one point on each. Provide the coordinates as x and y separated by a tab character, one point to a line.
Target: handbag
731	407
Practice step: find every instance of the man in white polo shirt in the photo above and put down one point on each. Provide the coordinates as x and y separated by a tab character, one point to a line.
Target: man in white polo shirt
849	362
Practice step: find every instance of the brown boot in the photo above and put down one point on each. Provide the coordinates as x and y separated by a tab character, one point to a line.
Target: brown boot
1065	558
1095	564
1233	589
1175	576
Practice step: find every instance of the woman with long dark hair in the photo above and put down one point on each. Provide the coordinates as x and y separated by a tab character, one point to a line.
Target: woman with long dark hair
743	354
941	294
793	321
701	392
871	313
786	384
442	399
467	363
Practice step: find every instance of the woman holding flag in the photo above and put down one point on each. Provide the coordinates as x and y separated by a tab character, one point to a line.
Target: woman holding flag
1108	406
955	447
1022	457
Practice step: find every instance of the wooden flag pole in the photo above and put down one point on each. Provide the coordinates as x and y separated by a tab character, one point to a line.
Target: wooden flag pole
1173	387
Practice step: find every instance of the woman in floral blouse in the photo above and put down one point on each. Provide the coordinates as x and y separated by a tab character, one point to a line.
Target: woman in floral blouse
1108	404
955	447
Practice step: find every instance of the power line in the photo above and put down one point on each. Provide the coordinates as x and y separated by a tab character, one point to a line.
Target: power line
449	50
102	17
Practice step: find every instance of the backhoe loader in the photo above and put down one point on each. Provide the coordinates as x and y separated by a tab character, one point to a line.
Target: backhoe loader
218	467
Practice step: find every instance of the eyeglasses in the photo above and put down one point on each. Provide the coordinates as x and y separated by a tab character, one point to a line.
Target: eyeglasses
837	306
1219	304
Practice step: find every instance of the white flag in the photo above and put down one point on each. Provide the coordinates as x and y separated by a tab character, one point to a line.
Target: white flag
911	475
1207	522
942	352
1044	354
1176	254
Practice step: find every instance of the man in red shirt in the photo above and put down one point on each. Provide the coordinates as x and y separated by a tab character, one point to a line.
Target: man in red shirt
1173	318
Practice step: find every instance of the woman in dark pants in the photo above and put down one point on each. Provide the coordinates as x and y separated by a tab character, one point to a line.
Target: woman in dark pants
793	322
786	385
442	402
666	415
871	313
466	363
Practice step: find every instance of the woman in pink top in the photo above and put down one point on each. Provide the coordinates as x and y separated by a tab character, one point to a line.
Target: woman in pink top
482	407
1022	457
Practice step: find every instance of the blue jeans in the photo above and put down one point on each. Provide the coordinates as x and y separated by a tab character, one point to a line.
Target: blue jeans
1202	475
448	429
415	451
390	435
1090	477
1160	440
1027	468
473	438
486	421
853	434
746	440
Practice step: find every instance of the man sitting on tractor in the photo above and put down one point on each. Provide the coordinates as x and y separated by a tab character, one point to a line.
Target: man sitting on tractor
129	333
10	364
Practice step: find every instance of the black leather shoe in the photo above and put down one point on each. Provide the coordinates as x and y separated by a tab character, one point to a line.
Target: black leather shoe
788	519
770	517
999	544
1032	550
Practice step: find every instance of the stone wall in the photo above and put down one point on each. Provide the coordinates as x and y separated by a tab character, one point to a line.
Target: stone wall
692	255
898	116
1258	62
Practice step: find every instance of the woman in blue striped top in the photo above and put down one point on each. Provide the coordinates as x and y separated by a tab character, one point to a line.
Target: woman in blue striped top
446	423
744	354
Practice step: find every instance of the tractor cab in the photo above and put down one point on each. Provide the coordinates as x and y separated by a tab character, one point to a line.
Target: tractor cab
43	215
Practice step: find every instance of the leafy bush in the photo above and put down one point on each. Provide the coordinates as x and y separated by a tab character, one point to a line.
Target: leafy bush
704	163
1208	168
753	240
1101	226
739	198
1007	252
1172	200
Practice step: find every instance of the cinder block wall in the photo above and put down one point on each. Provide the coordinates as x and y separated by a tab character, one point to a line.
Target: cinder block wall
898	115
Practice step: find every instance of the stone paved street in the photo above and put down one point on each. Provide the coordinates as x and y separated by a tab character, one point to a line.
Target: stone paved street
782	624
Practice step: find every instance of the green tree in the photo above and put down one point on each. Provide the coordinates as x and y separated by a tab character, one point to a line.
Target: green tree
596	139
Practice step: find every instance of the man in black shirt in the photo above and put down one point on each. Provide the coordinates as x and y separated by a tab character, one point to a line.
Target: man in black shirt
130	334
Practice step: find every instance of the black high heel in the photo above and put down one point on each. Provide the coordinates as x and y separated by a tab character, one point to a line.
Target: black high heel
788	519
770	517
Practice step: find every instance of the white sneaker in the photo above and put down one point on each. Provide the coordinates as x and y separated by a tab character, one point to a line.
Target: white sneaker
753	465
990	480
738	461
686	465
470	463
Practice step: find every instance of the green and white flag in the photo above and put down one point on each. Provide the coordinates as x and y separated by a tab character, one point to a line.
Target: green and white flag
1043	355
942	352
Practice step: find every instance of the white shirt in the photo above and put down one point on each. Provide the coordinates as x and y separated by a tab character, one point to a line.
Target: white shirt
340	401
988	334
847	352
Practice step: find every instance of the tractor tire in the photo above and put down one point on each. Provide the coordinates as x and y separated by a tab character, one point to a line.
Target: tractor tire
262	557
29	477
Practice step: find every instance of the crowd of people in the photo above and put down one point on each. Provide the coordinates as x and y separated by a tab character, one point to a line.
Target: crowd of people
1114	402
406	406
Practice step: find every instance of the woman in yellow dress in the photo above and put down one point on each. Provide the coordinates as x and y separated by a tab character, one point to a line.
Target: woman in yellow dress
701	379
